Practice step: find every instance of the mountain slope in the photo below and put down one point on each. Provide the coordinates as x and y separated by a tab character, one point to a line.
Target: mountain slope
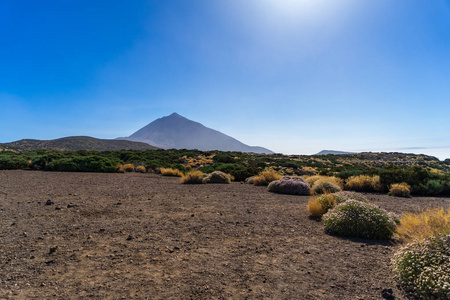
178	132
74	143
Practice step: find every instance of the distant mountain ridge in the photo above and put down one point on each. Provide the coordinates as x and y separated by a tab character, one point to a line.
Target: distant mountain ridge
334	152
178	132
73	143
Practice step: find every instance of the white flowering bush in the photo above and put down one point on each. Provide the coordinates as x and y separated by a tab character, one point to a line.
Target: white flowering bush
423	267
358	219
290	185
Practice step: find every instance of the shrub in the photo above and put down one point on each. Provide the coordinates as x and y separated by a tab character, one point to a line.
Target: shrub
171	172
423	267
359	219
421	225
266	177
9	162
319	205
217	177
128	168
289	185
364	183
311	180
141	169
250	180
321	187
120	169
400	190
434	187
90	163
193	177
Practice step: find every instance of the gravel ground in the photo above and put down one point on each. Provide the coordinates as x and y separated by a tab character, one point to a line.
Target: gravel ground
145	236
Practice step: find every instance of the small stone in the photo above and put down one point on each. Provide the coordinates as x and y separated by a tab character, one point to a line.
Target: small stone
129	238
49	202
53	250
307	252
102	230
25	234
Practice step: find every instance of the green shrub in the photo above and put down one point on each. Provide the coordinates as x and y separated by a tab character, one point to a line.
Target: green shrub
423	267
434	187
90	163
358	219
217	177
10	162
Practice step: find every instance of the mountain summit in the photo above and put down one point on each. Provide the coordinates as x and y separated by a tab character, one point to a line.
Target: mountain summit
178	132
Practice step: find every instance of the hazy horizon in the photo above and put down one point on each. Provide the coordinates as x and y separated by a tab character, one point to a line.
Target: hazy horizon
293	76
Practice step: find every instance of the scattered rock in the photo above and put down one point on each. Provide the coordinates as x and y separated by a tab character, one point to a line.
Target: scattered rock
70	205
307	252
49	202
388	294
129	238
53	250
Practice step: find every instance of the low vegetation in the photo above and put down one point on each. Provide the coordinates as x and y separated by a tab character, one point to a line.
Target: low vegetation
358	219
171	172
400	190
193	177
319	205
128	168
289	185
364	183
419	226
423	267
266	177
141	169
321	187
217	177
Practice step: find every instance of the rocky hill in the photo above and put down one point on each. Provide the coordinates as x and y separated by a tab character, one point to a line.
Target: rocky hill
74	143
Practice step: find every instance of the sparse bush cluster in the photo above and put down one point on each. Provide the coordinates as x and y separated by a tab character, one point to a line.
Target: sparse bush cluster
290	185
423	267
358	219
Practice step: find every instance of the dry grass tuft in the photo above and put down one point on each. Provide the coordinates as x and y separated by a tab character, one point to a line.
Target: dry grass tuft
171	172
120	169
400	190
266	177
419	226
193	177
316	208
141	169
364	183
128	168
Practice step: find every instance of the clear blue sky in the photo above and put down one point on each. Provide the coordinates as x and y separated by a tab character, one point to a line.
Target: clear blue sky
295	76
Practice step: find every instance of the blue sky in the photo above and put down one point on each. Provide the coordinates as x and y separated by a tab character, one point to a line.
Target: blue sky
295	76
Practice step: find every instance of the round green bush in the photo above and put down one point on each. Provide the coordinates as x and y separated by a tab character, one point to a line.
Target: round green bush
325	187
423	267
358	219
290	185
217	177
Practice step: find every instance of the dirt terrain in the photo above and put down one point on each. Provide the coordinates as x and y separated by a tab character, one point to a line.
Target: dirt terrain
145	236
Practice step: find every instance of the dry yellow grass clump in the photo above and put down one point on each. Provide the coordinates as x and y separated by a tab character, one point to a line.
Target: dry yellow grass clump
171	172
141	169
364	183
266	177
128	168
400	189
120	169
311	180
319	205
419	226
193	177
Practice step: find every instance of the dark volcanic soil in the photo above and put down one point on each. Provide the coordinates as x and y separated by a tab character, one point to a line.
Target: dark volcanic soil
144	236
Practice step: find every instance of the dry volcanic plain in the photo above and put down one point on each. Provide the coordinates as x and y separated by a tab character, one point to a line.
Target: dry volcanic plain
145	236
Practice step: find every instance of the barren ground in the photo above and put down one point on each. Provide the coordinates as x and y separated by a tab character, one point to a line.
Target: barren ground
144	236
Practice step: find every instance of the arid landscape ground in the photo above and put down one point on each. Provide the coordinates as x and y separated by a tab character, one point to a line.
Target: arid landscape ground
145	236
